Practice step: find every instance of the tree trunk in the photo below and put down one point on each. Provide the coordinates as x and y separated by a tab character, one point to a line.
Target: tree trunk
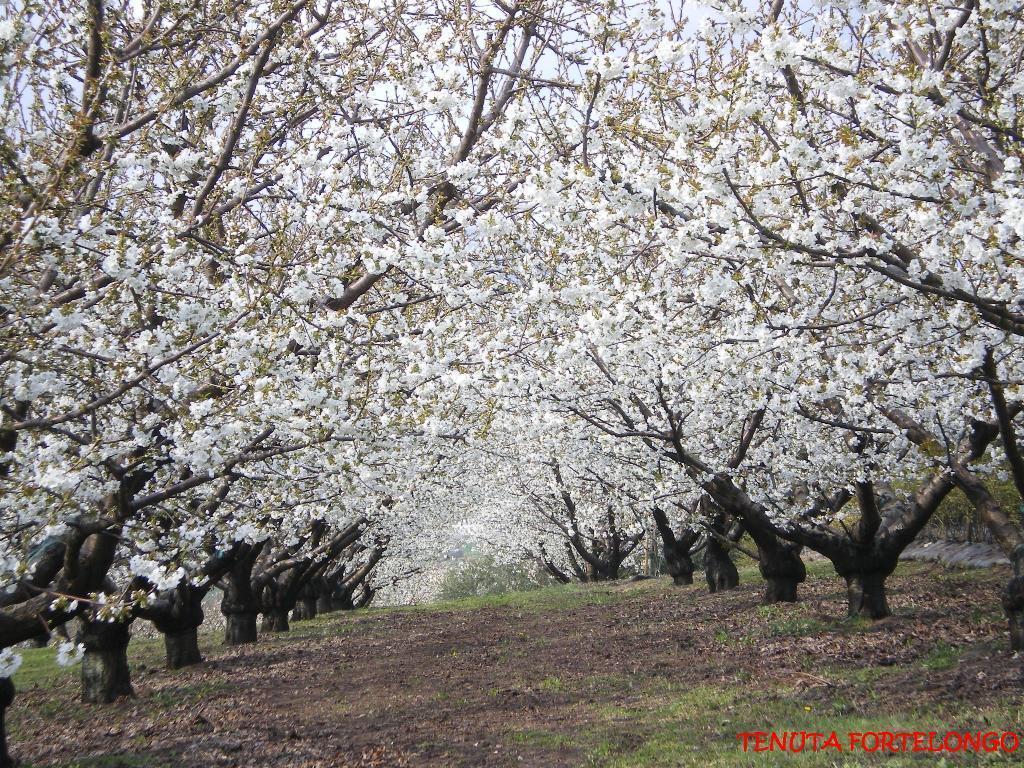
679	562
6	698
866	594
182	648
178	616
275	620
324	603
719	568
105	673
681	578
41	640
782	570
239	604
240	628
305	608
1013	601
675	549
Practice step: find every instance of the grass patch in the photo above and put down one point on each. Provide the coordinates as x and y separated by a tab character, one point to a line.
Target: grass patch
942	656
699	725
542	739
551	684
554	598
39	668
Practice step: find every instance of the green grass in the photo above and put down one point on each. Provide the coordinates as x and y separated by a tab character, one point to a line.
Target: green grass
551	684
554	598
39	666
39	669
942	656
669	726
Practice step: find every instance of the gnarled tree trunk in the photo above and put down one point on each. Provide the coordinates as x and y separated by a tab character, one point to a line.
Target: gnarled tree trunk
182	648
305	605
719	569
675	549
865	592
179	618
275	620
781	568
1013	601
239	605
240	627
324	603
105	673
6	699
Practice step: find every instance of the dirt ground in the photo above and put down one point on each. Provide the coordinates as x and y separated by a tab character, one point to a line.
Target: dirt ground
627	674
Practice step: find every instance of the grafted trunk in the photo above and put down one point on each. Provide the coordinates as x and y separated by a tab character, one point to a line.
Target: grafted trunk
182	648
275	620
178	617
240	628
675	549
681	577
1013	601
325	603
343	602
865	593
239	605
782	569
105	673
719	569
365	598
305	608
6	699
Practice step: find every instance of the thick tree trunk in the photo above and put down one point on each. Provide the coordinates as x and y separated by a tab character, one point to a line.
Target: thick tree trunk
719	569
679	562
865	593
178	616
305	608
182	648
325	603
675	549
275	620
782	569
240	628
681	578
6	698
105	673
343	602
1013	601
239	605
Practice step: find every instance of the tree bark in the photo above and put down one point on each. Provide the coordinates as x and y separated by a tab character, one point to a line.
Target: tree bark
675	549
324	603
719	569
275	620
240	627
239	605
177	614
682	578
305	608
1013	601
6	699
865	593
182	648
782	570
105	672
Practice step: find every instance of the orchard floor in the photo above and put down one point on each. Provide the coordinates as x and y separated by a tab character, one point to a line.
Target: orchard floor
628	674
